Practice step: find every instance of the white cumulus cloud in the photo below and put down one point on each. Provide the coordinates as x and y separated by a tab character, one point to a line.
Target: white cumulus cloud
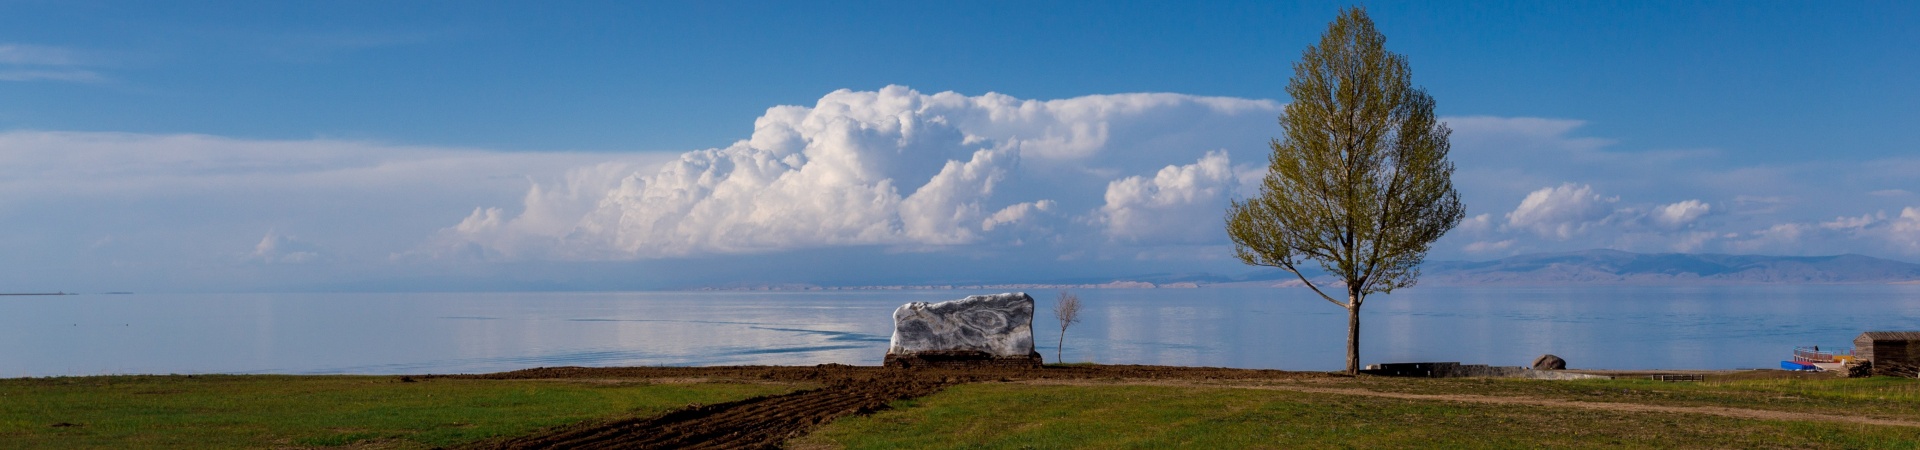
1901	232
899	168
1181	203
1561	212
1676	215
1905	230
1016	214
280	248
1479	224
1877	233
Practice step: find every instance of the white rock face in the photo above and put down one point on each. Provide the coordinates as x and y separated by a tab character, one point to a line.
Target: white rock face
1000	325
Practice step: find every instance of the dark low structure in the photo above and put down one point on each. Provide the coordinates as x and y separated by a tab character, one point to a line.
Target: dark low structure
1458	370
1892	353
1441	370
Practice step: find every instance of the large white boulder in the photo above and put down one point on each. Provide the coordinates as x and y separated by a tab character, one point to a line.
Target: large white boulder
981	327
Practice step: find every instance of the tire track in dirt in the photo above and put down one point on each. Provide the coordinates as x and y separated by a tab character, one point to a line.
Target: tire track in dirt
1737	413
762	422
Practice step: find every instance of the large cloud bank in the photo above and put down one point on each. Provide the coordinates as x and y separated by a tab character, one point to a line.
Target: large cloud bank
1147	176
1137	179
907	170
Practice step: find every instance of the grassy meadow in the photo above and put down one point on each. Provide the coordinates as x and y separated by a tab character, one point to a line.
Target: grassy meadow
271	411
1020	416
231	411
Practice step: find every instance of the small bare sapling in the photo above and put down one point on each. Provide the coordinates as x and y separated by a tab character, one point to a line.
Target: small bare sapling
1068	310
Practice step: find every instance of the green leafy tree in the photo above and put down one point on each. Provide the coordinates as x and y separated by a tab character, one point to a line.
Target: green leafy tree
1360	182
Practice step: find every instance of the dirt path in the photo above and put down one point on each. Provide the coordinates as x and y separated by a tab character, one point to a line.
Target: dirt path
1738	413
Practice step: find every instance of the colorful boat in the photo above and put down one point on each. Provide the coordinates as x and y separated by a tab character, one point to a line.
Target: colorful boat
1813	358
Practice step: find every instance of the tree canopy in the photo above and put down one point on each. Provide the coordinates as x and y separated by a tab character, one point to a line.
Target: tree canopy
1359	183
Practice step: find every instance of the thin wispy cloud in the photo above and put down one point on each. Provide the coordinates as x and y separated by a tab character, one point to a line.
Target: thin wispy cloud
36	55
69	75
329	46
26	62
168	202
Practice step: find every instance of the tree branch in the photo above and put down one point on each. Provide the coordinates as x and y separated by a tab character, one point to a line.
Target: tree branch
1309	283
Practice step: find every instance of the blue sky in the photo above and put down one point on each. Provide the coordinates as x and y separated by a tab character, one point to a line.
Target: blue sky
368	145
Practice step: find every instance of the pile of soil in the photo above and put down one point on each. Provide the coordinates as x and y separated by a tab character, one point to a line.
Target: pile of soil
831	373
766	422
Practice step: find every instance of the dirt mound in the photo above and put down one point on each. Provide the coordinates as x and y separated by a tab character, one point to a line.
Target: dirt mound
834	373
762	422
766	422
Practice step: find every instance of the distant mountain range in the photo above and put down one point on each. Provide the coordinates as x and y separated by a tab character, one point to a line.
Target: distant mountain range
1590	267
1618	267
1607	267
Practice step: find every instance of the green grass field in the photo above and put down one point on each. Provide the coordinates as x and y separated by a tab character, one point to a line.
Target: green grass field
1018	416
225	411
1884	397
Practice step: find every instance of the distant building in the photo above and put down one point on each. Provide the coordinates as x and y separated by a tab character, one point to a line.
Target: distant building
1893	353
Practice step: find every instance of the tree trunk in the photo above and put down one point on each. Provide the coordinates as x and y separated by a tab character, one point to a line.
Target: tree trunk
1353	336
1061	348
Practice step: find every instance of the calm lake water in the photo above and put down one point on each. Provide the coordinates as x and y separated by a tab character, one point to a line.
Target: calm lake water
1608	328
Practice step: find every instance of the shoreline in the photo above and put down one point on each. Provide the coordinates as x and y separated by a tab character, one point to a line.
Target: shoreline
778	371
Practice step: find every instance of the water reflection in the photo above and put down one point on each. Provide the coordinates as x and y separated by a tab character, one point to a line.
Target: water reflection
1623	328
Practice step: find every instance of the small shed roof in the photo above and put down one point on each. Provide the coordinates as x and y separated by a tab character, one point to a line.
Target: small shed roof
1892	335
